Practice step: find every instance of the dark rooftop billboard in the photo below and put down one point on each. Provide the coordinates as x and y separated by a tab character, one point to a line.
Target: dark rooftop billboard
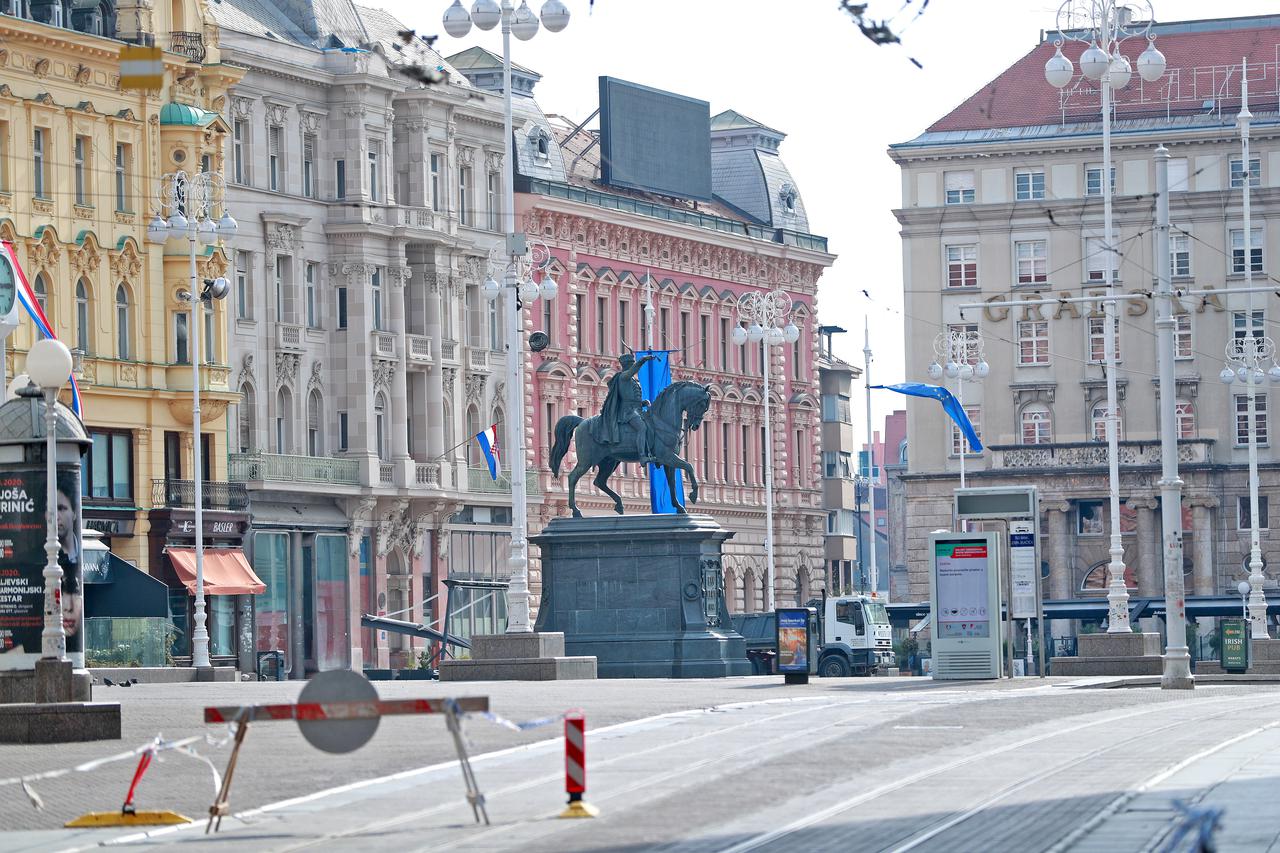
654	141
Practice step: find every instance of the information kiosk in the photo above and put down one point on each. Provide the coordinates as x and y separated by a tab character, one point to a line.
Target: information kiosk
964	605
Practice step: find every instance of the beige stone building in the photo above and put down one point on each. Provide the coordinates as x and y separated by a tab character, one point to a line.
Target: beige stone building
1002	199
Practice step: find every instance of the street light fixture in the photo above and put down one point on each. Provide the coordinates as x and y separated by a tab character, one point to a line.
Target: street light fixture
958	354
768	324
487	14
199	194
49	365
1107	28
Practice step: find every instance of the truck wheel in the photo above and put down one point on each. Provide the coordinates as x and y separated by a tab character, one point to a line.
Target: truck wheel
833	667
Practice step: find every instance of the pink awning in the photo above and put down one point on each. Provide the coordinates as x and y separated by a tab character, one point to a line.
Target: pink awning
226	571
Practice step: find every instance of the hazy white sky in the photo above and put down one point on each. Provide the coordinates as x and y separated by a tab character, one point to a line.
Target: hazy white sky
801	66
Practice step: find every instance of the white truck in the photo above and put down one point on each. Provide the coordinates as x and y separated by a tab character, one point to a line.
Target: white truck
851	635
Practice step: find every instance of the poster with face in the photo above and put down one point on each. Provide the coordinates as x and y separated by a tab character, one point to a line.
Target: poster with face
22	558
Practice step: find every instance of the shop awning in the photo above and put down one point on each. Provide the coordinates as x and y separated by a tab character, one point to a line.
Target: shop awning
226	571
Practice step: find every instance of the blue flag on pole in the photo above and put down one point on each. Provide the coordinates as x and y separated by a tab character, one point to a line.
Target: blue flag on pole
949	404
654	376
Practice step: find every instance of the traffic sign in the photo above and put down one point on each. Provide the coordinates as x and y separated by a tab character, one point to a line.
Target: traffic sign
338	735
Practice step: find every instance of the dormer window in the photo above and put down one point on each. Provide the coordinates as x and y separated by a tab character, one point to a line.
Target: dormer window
541	144
789	197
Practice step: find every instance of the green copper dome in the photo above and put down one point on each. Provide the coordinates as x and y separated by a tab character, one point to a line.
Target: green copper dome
185	115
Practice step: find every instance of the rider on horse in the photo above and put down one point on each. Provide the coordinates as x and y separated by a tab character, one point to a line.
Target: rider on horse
623	405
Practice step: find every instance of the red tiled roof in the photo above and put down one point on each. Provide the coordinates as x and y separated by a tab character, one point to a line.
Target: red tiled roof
1021	97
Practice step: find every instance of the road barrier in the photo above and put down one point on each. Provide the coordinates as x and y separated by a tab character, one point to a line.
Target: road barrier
575	767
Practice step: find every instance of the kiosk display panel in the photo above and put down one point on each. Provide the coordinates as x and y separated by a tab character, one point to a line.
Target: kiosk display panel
964	587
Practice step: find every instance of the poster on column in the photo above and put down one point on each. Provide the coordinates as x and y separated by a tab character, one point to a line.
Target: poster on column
22	559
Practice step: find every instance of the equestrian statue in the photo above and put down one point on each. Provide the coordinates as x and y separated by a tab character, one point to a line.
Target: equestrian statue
629	429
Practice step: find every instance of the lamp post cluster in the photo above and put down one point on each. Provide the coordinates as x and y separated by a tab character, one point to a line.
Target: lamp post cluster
767	319
959	354
1106	27
520	286
192	201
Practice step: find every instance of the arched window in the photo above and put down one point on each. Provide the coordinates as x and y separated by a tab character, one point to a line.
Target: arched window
474	456
41	287
380	425
245	418
1185	411
82	316
1037	424
802	587
1098	421
284	409
315	421
1095	580
497	417
123	331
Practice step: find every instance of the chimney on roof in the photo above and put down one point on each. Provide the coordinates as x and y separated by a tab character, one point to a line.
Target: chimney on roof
1124	16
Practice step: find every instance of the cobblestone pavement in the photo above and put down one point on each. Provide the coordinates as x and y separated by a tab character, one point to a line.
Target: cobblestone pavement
726	766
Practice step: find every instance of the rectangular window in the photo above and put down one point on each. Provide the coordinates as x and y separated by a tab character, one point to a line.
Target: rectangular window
242	285
492	313
546	322
1237	172
1179	255
344	436
1246	518
1096	258
313	321
282	276
1237	250
959	187
122	177
494	190
664	327
340	179
275	135
1178	179
624	335
745	450
836	408
1242	419
1240	324
1028	184
375	286
837	464
684	330
435	182
969	339
704	340
1032	258
724	453
375	185
239	138
108	467
962	266
309	165
602	308
1098	340
1033	342
464	195
1185	413
724	344
1182	345
579	303
181	342
82	146
40	166
958	441
342	307
1093	180
4	156
208	344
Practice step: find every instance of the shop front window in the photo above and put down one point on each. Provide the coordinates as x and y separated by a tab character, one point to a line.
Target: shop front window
271	564
333	647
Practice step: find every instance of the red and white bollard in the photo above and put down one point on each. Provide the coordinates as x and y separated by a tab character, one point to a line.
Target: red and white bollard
575	767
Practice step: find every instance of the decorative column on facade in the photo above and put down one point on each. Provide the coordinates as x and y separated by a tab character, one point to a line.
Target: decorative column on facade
1060	573
1149	569
1202	507
434	281
398	278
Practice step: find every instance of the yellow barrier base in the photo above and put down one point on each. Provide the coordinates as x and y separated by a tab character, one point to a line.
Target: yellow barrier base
140	818
579	809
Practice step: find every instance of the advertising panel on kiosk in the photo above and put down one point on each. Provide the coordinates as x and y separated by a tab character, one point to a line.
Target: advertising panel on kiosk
964	603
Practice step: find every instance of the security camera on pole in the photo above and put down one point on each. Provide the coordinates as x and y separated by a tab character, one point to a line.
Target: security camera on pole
1104	25
192	201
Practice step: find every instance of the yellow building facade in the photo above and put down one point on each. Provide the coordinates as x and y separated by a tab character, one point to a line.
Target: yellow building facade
81	164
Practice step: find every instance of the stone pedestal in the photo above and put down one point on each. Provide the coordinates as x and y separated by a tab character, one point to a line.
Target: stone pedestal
644	594
518	657
1113	654
50	704
1264	657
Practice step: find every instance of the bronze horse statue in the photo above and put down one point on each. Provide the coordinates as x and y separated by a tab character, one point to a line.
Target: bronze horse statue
679	406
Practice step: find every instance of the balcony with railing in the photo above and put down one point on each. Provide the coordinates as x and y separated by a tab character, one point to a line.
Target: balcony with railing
427	475
387	474
478	359
419	219
419	349
190	45
215	494
383	343
1093	454
449	351
479	480
289	337
281	468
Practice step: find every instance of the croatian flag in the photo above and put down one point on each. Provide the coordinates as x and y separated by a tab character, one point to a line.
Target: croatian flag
488	440
27	298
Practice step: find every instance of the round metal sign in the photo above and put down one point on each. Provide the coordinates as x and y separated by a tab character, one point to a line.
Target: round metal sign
338	685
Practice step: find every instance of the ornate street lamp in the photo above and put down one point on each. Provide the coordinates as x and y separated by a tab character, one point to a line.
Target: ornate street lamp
959	354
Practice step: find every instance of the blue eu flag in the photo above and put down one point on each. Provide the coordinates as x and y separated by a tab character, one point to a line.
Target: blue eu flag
654	376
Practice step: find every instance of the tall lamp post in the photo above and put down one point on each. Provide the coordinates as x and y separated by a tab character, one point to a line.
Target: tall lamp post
767	318
1105	26
192	200
49	365
523	24
958	354
871	454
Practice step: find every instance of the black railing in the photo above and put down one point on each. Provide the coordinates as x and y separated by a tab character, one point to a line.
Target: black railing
190	45
213	494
